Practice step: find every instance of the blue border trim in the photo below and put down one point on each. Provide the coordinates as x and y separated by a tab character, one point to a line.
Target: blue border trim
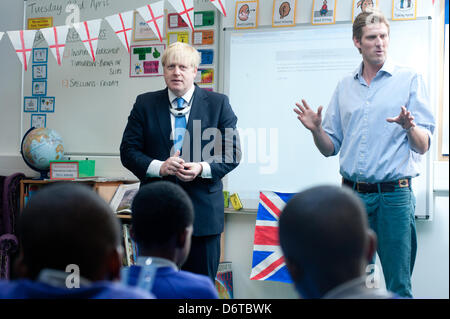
32	88
37	114
46	71
40	104
46	55
37	103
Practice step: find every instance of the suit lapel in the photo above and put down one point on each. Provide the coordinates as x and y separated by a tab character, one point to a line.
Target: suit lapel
163	117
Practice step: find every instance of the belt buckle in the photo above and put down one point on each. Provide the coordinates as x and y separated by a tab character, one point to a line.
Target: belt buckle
360	183
404	182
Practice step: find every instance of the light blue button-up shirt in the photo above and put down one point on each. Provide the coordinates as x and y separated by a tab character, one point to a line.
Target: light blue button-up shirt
371	149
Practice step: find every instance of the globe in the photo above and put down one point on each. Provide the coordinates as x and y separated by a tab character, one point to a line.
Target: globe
39	147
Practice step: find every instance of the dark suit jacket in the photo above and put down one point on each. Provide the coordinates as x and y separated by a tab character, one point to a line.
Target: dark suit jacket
147	137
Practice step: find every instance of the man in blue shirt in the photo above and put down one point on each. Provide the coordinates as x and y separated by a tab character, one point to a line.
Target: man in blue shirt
379	151
161	224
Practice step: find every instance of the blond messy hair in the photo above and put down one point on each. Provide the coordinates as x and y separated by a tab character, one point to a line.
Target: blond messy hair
180	52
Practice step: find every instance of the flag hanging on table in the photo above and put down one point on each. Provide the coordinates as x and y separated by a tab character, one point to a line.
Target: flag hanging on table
268	261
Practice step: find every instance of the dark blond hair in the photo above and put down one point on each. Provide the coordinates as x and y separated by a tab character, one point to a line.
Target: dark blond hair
370	16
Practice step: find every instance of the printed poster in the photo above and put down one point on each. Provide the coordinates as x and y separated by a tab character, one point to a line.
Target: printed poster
360	6
246	15
324	12
284	13
404	9
145	60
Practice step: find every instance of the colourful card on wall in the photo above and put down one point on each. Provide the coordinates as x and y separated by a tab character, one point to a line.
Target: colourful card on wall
145	60
203	37
205	76
360	6
47	104
404	9
30	104
246	15
324	12
284	13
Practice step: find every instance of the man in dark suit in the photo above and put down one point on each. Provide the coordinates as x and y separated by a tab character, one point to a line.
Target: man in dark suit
188	136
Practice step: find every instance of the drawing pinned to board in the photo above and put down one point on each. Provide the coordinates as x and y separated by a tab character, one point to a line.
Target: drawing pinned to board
204	76
360	6
283	14
39	88
145	60
404	9
39	71
324	12
30	104
40	55
47	104
246	15
38	120
182	36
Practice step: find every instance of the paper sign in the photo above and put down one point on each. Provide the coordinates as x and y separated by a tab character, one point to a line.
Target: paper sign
203	37
39	71
207	56
146	60
404	9
360	6
153	15
39	23
246	15
204	76
39	88
176	21
38	120
284	13
203	18
173	37
40	55
64	170
30	104
47	104
324	12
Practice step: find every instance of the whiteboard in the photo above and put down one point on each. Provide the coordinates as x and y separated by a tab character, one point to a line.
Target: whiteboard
93	100
270	70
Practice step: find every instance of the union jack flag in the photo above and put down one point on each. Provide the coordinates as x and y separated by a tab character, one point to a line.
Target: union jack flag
268	261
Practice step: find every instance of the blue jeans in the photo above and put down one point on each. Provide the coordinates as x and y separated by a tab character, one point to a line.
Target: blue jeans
391	216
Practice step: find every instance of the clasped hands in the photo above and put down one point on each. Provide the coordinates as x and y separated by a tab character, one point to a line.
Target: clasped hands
176	166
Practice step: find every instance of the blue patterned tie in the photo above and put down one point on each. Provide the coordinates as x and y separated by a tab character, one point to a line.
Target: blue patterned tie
180	126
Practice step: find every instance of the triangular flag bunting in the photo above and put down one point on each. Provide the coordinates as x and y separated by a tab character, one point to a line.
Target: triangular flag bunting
153	15
56	39
220	5
185	9
122	24
22	42
88	32
1	35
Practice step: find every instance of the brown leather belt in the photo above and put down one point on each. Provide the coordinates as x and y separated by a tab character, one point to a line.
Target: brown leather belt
384	187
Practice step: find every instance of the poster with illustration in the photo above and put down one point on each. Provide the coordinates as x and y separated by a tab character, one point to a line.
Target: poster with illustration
404	9
360	6
284	13
324	12
145	60
246	15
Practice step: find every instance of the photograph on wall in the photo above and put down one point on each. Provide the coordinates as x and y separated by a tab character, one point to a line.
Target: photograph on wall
404	9
47	104
246	16
284	13
40	55
39	71
145	60
30	104
360	6
324	12
38	120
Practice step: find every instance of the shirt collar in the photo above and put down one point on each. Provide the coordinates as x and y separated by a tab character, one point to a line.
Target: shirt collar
187	96
388	67
158	262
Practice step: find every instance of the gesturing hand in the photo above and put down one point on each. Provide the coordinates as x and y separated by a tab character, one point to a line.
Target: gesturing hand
405	119
310	119
172	165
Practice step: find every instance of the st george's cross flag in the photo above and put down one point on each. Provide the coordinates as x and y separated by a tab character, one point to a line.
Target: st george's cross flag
268	261
185	8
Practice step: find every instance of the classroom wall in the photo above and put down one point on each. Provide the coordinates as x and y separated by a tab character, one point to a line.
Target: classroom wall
430	278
